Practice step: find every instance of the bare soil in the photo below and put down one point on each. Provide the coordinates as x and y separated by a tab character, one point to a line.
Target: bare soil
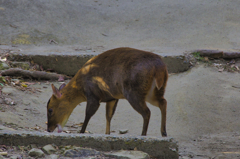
203	112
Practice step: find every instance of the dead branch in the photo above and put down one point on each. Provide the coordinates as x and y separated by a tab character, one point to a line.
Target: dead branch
40	75
218	54
210	53
231	55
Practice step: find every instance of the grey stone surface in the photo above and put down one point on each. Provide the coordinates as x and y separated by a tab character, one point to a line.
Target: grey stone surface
15	157
33	146
49	149
2	101
123	131
9	101
52	156
81	152
36	153
3	65
8	90
154	146
128	155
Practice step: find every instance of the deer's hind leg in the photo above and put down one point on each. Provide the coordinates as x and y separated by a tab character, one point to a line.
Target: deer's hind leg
162	104
156	98
110	109
163	107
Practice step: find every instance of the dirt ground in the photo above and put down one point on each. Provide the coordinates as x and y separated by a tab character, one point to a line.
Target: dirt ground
161	26
202	112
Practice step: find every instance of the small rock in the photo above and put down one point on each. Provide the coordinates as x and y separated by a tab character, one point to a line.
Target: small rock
36	153
25	102
221	70
2	101
16	157
68	147
49	149
33	146
4	66
206	59
9	101
81	152
221	157
185	157
128	154
217	65
123	131
8	90
16	82
52	156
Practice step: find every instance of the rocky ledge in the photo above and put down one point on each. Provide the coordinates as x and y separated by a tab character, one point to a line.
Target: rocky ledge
102	146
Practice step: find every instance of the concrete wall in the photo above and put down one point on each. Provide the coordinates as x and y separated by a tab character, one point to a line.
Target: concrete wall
70	64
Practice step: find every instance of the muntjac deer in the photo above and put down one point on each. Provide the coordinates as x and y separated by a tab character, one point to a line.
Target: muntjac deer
122	73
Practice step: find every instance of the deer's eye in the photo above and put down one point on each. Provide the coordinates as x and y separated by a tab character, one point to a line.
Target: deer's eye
50	111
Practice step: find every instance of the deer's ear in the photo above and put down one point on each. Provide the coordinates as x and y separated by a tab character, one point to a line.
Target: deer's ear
62	86
56	92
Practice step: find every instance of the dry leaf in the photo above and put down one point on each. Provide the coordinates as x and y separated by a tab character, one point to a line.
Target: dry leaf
3	153
67	131
28	83
221	70
80	124
17	82
24	85
206	59
41	68
3	59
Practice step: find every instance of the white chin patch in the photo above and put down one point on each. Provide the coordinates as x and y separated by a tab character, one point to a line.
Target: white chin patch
59	128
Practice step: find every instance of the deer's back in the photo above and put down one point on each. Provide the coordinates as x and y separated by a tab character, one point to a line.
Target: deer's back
121	69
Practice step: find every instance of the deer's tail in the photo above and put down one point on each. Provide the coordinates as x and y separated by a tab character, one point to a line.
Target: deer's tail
161	78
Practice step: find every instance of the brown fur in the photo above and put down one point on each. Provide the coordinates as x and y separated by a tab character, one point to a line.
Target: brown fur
122	73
